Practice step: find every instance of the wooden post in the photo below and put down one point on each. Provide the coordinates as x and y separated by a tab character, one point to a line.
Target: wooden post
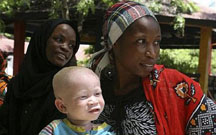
204	57
19	42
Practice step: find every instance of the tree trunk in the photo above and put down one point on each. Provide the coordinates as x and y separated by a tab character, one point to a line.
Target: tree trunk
65	9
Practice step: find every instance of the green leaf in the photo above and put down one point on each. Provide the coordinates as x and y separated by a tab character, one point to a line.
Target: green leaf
83	7
179	24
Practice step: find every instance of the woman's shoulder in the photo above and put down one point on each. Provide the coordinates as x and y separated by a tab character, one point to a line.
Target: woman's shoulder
170	71
171	74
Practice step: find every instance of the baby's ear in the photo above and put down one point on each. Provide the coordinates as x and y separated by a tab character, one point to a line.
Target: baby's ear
60	105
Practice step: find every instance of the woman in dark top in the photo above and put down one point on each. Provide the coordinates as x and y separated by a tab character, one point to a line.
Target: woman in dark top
29	103
143	98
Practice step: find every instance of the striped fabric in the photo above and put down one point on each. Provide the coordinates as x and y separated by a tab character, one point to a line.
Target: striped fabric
49	129
120	16
64	127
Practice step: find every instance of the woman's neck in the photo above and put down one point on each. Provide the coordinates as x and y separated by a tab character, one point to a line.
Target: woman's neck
126	82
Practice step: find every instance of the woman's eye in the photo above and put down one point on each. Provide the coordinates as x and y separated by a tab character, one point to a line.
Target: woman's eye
157	43
59	39
141	41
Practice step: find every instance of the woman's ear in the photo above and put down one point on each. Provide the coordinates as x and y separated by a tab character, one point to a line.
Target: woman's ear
60	105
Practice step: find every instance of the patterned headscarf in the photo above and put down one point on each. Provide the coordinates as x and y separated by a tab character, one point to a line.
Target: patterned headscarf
117	19
120	16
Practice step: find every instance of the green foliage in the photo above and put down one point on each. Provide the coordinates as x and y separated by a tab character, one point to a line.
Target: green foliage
108	2
192	7
184	60
213	62
83	62
155	6
179	24
8	35
182	7
22	4
55	9
9	7
88	52
6	7
83	7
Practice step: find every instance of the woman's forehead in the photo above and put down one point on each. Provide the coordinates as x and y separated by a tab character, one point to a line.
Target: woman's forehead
142	28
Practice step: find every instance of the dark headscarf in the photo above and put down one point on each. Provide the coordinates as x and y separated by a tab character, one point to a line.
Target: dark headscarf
35	75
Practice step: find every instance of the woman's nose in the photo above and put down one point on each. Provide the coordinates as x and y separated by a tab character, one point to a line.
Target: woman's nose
151	52
65	47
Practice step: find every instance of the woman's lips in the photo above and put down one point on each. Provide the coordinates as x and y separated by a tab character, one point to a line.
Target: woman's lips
61	56
147	67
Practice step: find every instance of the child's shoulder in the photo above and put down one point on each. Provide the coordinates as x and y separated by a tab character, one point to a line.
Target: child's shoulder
103	129
49	129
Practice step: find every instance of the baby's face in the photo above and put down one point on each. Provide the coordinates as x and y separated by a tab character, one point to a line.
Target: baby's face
84	101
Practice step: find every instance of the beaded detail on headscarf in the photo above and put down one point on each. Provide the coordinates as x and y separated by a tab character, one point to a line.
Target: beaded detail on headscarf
120	16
